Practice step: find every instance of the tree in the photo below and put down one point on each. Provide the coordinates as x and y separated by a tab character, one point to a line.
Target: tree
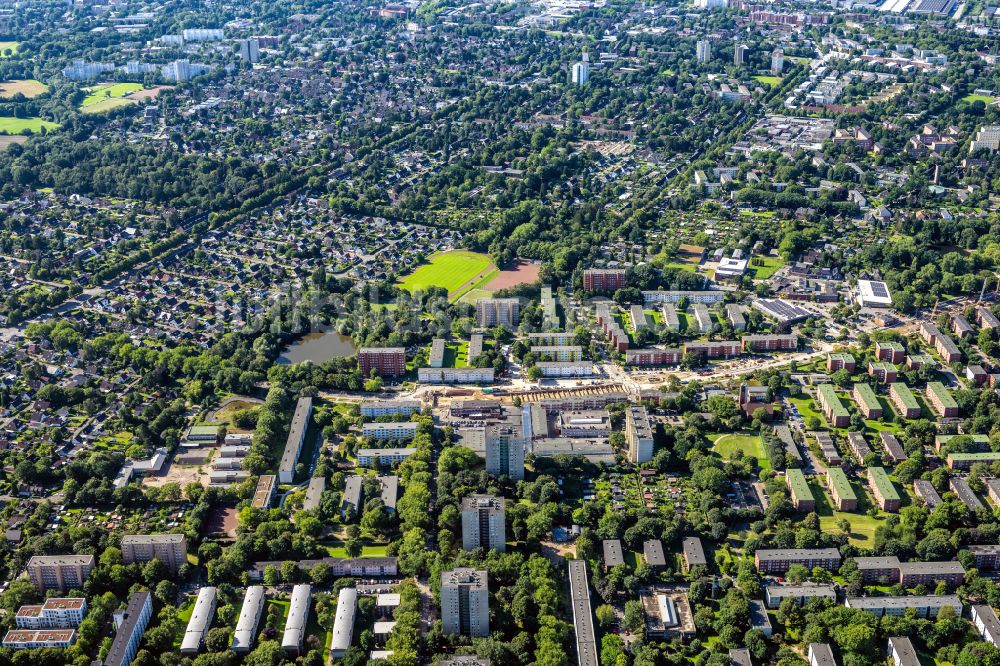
605	615
635	616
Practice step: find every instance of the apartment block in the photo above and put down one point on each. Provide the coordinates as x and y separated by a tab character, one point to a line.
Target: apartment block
821	654
986	319
963	491
638	434
798	489
171	549
859	446
54	613
201	620
924	606
947	349
375	408
768	343
775	594
984	618
868	403
398	430
59	572
878	569
435	358
964	461
637	317
483	523
885	493
32	639
925	490
383	457
904	400
930	574
894	451
130	625
902	652
492	312
961	327
703	318
653	356
465	609
604	280
987	556
670	319
714	348
561	353
505	451
843	495
245	634
940	400
778	560
693	553
840	361
385	361
831	406
882	372
891	352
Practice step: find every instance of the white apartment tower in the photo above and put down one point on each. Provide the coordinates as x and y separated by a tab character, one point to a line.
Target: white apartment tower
581	70
777	62
638	434
465	603
703	50
483	523
505	451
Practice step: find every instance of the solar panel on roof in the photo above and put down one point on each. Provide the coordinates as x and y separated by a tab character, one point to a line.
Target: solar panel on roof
879	290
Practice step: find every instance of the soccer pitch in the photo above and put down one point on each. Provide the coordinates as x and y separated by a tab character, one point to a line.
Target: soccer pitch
449	270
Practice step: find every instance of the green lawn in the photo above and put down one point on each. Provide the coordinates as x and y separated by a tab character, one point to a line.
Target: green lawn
184	615
366	551
448	270
986	99
751	445
771	81
9	125
8	46
862	525
107	91
765	267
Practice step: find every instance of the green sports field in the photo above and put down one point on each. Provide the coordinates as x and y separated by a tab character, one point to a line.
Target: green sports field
770	81
448	270
108	96
9	125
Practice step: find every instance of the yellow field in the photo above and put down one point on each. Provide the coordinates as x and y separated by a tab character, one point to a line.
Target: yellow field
27	87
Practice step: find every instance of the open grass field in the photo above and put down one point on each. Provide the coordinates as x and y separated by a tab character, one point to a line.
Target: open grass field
457	271
727	445
768	80
105	91
9	125
985	99
862	525
28	87
106	97
765	267
8	46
